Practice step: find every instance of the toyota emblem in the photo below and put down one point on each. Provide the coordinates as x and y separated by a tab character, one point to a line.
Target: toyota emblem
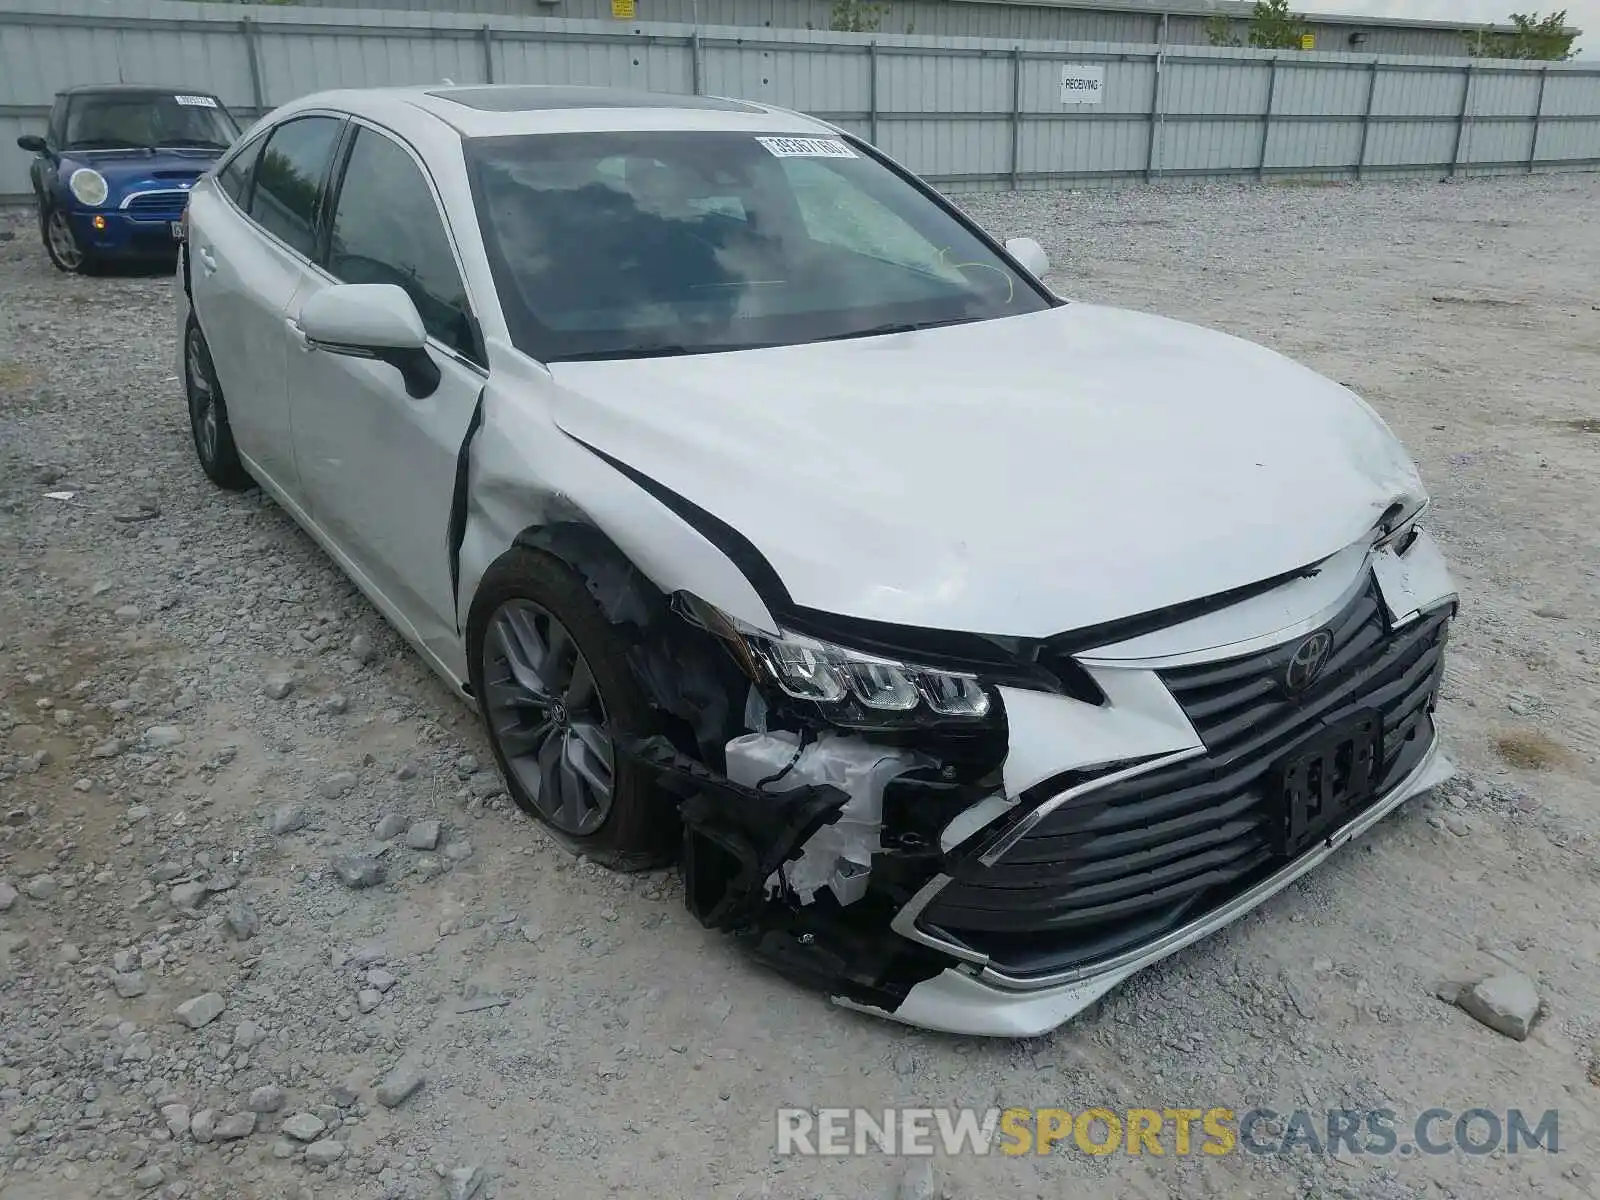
1310	656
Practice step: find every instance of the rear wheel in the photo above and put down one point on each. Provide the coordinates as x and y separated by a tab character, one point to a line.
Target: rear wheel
553	683
208	415
60	242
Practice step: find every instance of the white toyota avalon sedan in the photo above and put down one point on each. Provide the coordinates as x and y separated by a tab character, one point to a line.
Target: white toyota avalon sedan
970	648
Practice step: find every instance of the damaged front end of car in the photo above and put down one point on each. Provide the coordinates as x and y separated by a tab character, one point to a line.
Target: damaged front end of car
813	783
984	834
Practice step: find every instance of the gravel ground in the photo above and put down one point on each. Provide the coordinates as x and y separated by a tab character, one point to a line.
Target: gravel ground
194	1004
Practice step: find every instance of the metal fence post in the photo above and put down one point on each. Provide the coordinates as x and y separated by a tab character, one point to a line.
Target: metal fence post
1461	119
872	92
1366	120
258	96
1266	118
1538	115
1016	116
487	36
696	67
1158	121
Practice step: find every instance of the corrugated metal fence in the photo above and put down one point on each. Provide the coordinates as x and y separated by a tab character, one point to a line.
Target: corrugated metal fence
967	113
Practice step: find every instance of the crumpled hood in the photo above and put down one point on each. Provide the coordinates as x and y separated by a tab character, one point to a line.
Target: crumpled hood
1024	476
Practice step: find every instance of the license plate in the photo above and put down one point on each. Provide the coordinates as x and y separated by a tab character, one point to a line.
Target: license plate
1328	779
177	231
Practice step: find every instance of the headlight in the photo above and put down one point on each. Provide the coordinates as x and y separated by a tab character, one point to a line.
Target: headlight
89	186
844	681
1398	527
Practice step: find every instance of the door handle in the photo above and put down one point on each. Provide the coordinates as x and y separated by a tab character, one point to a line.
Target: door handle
208	261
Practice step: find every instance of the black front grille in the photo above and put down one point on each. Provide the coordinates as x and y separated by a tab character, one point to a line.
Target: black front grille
1133	859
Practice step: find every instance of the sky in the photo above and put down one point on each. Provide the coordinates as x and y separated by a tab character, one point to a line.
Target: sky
1584	14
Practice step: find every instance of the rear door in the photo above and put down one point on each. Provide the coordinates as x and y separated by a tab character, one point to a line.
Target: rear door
379	467
252	236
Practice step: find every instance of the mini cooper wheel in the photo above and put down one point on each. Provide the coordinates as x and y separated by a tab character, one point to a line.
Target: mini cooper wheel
61	243
552	681
208	416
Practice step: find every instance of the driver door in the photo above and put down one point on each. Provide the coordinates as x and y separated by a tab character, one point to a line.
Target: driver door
377	466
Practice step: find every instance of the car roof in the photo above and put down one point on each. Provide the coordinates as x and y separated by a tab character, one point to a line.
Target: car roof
136	89
493	110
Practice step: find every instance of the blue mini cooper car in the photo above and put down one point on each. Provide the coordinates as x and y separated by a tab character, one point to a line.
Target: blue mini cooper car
113	171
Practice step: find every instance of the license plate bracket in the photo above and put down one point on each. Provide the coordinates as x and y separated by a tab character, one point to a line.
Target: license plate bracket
1326	780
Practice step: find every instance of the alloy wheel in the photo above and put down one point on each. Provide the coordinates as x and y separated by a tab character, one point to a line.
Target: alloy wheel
546	715
202	396
63	244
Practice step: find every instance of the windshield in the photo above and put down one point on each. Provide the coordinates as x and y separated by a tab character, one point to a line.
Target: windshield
115	121
608	245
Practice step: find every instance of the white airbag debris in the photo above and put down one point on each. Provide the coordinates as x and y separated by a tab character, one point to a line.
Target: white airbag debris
838	856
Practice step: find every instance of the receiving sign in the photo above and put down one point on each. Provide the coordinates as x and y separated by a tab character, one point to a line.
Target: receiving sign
1083	83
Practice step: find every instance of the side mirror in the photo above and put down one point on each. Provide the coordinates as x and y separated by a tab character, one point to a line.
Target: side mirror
372	320
1030	255
32	142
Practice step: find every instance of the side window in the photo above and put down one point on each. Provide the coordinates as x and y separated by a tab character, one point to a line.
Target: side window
387	229
234	177
840	214
57	131
288	179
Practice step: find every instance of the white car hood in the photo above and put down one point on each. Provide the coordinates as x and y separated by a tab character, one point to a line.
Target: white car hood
1024	476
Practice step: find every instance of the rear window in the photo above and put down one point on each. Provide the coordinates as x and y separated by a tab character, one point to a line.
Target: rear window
234	178
289	177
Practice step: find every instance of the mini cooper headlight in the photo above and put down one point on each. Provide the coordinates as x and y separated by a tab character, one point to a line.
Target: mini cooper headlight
845	681
88	186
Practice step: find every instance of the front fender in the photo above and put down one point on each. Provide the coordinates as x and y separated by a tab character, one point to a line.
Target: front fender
523	473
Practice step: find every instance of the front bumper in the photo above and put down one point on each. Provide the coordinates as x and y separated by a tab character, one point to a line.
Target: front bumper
146	235
1114	832
984	1002
1141	825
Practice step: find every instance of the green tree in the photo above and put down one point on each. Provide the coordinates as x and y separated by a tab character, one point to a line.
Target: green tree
1274	27
1531	37
1219	31
854	16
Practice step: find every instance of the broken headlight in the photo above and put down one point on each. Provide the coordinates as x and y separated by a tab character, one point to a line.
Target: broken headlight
847	684
1398	527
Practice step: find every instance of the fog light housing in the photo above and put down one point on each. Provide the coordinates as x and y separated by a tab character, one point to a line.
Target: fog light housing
99	223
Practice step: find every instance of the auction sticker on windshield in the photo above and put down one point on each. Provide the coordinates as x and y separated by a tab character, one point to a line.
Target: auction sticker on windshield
797	147
196	101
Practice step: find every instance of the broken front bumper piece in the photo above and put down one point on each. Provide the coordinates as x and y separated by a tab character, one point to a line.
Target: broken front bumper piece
979	1000
1004	901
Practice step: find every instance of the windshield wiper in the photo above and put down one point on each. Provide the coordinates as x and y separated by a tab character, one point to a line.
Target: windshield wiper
195	143
895	327
657	350
106	144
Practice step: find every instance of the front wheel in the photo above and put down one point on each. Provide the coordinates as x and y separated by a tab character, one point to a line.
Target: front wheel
60	242
553	684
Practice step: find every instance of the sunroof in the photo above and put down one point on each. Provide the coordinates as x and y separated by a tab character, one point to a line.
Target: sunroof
534	97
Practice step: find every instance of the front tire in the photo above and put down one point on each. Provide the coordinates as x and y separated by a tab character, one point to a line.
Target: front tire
556	693
61	243
208	415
